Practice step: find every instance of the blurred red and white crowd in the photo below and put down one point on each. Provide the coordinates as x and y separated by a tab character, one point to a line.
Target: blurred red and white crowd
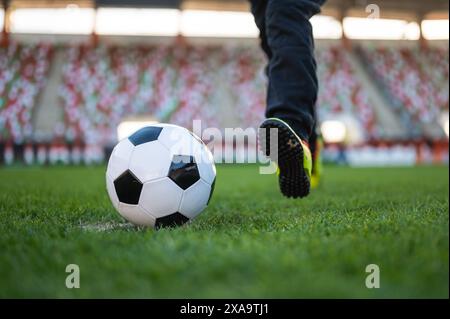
417	80
222	86
23	74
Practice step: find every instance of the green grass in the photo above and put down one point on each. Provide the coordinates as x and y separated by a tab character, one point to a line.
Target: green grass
250	242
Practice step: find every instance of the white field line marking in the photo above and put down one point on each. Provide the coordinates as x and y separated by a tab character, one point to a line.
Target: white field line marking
102	227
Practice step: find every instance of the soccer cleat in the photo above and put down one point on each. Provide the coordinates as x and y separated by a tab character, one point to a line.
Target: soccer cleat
281	144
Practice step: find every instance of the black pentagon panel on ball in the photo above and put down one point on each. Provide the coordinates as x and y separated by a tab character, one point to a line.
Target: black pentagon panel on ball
145	135
212	190
172	220
128	188
184	171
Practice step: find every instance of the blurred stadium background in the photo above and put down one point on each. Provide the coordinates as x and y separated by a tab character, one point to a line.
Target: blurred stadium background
72	71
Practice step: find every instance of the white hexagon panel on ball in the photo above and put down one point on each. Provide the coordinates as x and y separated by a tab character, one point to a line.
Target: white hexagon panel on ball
112	192
195	199
150	161
136	215
179	141
120	159
161	197
206	166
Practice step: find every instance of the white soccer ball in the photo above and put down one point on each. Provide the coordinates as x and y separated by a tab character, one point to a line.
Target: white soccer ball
161	176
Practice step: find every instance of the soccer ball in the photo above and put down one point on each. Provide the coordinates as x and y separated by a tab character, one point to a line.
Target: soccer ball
161	176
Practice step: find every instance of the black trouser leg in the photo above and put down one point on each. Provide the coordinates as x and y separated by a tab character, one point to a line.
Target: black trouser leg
286	37
258	8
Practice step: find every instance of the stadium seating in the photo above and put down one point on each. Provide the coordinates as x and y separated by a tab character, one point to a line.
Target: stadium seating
197	70
23	73
177	84
340	91
180	84
435	64
246	71
416	80
103	85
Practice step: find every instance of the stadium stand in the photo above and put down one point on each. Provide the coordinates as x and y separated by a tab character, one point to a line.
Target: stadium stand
23	72
416	80
246	71
341	92
196	70
102	85
180	83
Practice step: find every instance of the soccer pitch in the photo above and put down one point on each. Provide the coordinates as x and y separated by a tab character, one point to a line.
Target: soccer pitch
250	242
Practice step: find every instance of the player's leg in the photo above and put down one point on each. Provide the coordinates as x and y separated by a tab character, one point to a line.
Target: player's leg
292	91
293	81
258	8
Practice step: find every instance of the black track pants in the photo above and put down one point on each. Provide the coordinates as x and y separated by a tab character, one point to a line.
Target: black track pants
286	38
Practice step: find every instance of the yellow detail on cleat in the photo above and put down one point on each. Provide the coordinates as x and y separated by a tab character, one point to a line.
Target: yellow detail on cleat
307	159
317	170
